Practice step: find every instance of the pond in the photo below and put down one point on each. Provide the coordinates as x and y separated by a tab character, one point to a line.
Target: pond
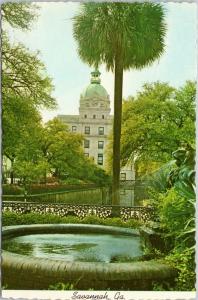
87	247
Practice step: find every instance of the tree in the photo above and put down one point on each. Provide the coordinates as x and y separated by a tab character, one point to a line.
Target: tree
24	75
25	87
64	153
60	147
122	36
20	121
19	15
155	123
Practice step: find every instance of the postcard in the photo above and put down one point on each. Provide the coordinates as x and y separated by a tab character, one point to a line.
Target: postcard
98	150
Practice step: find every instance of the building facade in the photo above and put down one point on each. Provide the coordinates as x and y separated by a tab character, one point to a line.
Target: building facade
95	123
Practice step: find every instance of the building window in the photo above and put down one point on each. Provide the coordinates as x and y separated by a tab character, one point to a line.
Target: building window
101	130
123	176
102	116
74	128
100	144
87	130
85	116
86	154
100	159
94	116
86	143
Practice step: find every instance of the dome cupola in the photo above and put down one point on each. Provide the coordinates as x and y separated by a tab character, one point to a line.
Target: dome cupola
94	89
94	100
95	77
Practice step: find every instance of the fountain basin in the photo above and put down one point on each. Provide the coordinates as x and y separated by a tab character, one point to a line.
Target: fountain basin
30	272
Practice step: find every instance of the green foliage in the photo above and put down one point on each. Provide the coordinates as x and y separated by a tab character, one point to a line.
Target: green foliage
31	171
19	114
163	286
157	180
19	15
63	151
140	31
43	188
61	286
139	41
13	189
24	75
11	218
25	89
156	121
174	211
184	262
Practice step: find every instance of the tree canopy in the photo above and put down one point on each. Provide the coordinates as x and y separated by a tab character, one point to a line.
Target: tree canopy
19	15
52	148
24	75
156	121
139	38
25	89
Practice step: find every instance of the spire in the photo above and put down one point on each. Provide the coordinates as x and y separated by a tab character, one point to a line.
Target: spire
95	76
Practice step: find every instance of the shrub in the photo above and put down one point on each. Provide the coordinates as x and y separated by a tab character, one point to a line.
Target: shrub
12	189
184	262
11	218
174	211
43	188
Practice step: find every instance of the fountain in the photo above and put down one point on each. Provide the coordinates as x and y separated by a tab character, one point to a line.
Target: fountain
89	256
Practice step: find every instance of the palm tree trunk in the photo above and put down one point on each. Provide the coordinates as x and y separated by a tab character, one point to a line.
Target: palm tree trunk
117	129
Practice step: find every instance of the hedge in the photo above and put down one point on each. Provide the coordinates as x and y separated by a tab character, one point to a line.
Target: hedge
13	189
11	218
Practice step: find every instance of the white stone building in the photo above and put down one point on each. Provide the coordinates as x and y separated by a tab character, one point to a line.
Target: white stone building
95	123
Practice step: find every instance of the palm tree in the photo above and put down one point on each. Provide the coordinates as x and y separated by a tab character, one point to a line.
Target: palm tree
122	36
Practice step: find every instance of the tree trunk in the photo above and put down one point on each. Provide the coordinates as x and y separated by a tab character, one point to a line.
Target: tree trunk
117	129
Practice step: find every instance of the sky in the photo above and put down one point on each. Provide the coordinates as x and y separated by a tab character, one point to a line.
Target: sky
52	35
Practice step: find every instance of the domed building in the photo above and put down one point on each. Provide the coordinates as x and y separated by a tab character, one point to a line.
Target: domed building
94	120
95	123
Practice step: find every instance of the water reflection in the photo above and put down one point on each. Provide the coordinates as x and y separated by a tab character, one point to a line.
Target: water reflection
77	247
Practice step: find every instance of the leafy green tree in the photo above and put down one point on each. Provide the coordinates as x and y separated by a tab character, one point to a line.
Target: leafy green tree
122	36
155	123
29	171
20	120
60	147
63	151
19	15
25	87
24	75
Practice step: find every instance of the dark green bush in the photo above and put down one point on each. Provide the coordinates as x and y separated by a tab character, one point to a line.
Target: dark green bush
11	218
184	262
12	189
174	211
